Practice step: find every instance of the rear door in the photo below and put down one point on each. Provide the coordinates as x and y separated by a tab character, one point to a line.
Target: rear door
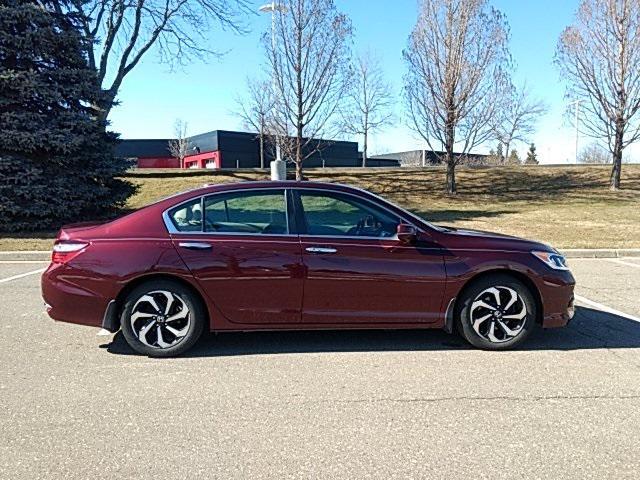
239	247
358	272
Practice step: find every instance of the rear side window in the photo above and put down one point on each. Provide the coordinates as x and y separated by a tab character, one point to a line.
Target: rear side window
188	216
255	212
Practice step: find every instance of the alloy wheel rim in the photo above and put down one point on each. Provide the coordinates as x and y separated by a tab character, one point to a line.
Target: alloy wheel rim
498	314
160	319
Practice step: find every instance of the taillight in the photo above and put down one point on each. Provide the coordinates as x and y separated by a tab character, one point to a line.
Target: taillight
65	251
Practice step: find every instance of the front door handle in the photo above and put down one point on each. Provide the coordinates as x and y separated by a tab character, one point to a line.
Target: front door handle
195	245
320	250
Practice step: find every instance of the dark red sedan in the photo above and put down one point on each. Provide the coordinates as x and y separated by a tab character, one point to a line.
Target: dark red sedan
298	255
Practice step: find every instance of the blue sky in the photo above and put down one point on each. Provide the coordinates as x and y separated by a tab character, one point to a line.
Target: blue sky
203	94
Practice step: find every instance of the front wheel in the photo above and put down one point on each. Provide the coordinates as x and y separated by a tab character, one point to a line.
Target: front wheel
162	318
497	312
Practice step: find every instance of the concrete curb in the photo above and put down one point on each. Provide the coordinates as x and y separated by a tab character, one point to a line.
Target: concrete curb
601	252
45	255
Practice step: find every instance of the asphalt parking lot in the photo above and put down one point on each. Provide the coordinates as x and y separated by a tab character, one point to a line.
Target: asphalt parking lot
325	404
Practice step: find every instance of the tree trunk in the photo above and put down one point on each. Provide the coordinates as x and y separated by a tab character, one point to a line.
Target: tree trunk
102	114
452	188
450	159
261	147
299	176
364	149
103	108
614	182
507	158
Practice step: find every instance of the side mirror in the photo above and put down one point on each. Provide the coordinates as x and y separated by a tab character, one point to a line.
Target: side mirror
407	233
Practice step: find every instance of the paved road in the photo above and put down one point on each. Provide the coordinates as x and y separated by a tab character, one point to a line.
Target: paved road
324	404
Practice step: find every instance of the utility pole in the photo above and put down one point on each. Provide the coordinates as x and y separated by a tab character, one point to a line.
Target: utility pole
278	166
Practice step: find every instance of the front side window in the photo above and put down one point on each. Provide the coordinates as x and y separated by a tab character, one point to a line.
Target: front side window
332	214
257	212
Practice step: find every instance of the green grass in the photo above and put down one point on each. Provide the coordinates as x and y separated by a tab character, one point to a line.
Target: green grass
569	207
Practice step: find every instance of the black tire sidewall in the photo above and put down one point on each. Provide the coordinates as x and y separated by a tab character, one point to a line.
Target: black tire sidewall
194	304
469	295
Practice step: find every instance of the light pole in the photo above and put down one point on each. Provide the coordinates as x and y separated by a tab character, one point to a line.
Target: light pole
278	166
577	120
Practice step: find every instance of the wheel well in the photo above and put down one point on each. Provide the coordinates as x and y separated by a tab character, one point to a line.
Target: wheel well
521	277
128	288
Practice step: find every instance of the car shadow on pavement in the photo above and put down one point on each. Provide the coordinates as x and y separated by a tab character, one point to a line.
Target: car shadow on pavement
590	329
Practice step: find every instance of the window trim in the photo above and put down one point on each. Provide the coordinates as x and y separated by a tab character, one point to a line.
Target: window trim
170	224
294	213
171	228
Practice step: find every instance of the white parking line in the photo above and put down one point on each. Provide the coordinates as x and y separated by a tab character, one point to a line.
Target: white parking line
10	262
604	308
622	262
15	277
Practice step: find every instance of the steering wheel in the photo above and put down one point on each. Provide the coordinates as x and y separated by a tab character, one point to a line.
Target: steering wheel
367	226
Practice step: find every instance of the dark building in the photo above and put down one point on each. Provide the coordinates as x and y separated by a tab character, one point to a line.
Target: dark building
148	153
428	158
226	149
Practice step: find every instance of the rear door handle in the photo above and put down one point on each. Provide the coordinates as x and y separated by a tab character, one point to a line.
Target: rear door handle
320	250
195	245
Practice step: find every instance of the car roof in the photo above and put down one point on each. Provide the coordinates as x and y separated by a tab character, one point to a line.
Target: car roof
249	185
246	185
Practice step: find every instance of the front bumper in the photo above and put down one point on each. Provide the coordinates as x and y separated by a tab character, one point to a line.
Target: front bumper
557	292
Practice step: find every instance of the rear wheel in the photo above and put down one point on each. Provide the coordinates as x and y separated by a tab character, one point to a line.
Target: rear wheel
162	318
497	312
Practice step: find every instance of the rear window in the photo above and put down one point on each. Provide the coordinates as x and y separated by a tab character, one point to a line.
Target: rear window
188	216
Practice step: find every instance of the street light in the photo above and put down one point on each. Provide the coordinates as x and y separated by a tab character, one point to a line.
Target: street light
278	167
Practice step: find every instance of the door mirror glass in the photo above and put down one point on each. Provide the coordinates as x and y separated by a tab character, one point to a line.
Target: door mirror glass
407	233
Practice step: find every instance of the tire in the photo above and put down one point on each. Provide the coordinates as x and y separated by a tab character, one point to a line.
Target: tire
496	322
162	318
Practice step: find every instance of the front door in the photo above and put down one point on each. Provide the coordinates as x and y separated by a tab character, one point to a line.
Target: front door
241	253
357	270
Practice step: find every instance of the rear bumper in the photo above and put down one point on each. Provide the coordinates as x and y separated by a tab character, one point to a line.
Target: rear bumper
68	302
557	295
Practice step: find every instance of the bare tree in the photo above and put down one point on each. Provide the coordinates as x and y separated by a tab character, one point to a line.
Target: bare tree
599	55
594	154
368	101
309	59
121	32
516	117
179	147
457	60
256	109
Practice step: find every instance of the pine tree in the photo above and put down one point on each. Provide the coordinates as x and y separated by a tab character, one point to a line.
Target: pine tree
514	158
499	153
532	156
56	159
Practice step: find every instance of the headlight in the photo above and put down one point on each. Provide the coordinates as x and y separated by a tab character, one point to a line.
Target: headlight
553	260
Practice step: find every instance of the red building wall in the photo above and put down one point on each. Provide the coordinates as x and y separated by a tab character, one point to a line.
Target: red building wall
201	160
158	162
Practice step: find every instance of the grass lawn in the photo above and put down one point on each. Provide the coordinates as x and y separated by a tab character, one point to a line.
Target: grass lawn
569	207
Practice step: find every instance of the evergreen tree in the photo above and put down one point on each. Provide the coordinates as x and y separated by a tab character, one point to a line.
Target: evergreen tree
514	158
500	153
56	159
532	156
